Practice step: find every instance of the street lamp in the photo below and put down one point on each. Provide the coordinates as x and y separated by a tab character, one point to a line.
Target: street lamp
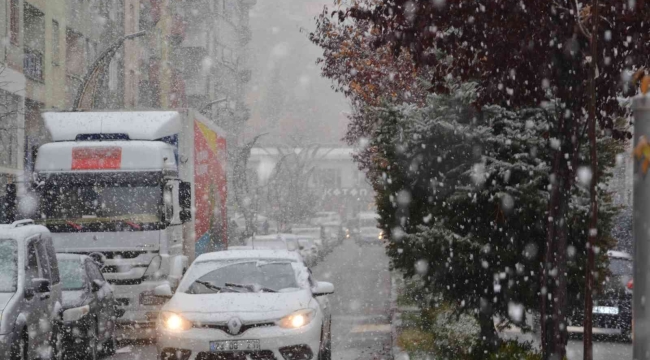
90	81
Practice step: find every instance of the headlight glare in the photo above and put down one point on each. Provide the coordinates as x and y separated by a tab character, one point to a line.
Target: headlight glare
174	322
297	320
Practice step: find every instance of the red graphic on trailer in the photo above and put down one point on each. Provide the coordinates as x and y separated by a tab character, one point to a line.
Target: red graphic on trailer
210	189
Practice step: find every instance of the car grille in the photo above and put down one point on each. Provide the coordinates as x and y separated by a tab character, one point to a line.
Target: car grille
224	327
240	355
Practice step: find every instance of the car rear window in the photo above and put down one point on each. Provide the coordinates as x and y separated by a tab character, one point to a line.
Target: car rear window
620	267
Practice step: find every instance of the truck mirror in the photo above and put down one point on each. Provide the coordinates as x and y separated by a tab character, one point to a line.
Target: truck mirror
185	195
186	215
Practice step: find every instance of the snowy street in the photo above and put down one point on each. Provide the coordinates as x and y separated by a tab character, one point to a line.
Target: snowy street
360	305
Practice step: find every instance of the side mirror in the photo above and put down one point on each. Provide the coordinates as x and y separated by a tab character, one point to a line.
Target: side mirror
185	200
186	215
163	290
98	258
323	288
96	285
41	285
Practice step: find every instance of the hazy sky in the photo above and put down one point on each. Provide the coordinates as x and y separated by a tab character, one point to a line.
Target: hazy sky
287	95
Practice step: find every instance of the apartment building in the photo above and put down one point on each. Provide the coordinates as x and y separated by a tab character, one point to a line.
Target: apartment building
194	55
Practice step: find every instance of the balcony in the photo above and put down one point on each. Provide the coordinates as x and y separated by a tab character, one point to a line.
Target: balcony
33	65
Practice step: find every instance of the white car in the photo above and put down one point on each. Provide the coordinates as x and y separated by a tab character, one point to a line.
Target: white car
246	304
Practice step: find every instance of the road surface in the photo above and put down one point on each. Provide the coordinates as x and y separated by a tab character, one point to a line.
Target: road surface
360	305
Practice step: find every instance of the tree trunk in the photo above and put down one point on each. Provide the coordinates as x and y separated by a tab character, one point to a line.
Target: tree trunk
489	337
593	222
557	348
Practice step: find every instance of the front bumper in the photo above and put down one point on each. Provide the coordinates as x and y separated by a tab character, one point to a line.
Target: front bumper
607	324
129	297
194	344
76	333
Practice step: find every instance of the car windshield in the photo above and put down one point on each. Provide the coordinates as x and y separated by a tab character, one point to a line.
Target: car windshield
73	275
8	266
619	267
249	276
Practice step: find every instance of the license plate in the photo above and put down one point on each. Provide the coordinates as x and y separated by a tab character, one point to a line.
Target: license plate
609	310
235	345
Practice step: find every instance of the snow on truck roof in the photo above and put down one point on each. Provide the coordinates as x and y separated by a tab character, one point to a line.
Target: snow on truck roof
138	125
248	255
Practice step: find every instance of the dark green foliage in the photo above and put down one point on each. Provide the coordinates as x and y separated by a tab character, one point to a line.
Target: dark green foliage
479	181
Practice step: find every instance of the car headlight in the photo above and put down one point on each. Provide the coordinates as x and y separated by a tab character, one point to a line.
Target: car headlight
297	320
76	314
174	322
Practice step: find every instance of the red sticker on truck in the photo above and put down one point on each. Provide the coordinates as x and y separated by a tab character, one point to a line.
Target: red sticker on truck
96	158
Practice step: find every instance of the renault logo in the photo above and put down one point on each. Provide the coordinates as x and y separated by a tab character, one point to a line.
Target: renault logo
234	326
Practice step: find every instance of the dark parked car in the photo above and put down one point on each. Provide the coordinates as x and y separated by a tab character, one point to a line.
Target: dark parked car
89	309
612	308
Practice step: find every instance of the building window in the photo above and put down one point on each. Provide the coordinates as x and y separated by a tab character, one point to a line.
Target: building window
34	44
14	22
33	64
56	56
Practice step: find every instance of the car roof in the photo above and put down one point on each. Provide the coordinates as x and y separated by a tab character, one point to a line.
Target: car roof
21	230
249	254
619	255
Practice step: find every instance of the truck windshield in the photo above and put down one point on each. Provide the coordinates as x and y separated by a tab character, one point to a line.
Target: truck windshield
8	265
104	202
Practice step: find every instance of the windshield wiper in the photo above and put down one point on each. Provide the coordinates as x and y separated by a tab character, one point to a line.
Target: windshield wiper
209	285
251	287
133	225
74	225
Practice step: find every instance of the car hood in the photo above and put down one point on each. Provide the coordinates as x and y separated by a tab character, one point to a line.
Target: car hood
72	298
247	306
4	300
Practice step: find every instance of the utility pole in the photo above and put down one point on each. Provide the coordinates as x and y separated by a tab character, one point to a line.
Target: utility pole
593	222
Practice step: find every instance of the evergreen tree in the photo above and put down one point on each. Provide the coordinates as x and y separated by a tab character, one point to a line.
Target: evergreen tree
481	182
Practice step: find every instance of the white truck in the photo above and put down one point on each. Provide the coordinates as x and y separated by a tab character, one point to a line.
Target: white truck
144	190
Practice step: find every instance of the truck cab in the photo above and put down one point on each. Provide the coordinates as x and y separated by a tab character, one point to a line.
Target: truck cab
109	185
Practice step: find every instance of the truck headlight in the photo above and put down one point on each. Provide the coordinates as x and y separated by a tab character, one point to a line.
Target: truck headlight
174	322
297	320
75	314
